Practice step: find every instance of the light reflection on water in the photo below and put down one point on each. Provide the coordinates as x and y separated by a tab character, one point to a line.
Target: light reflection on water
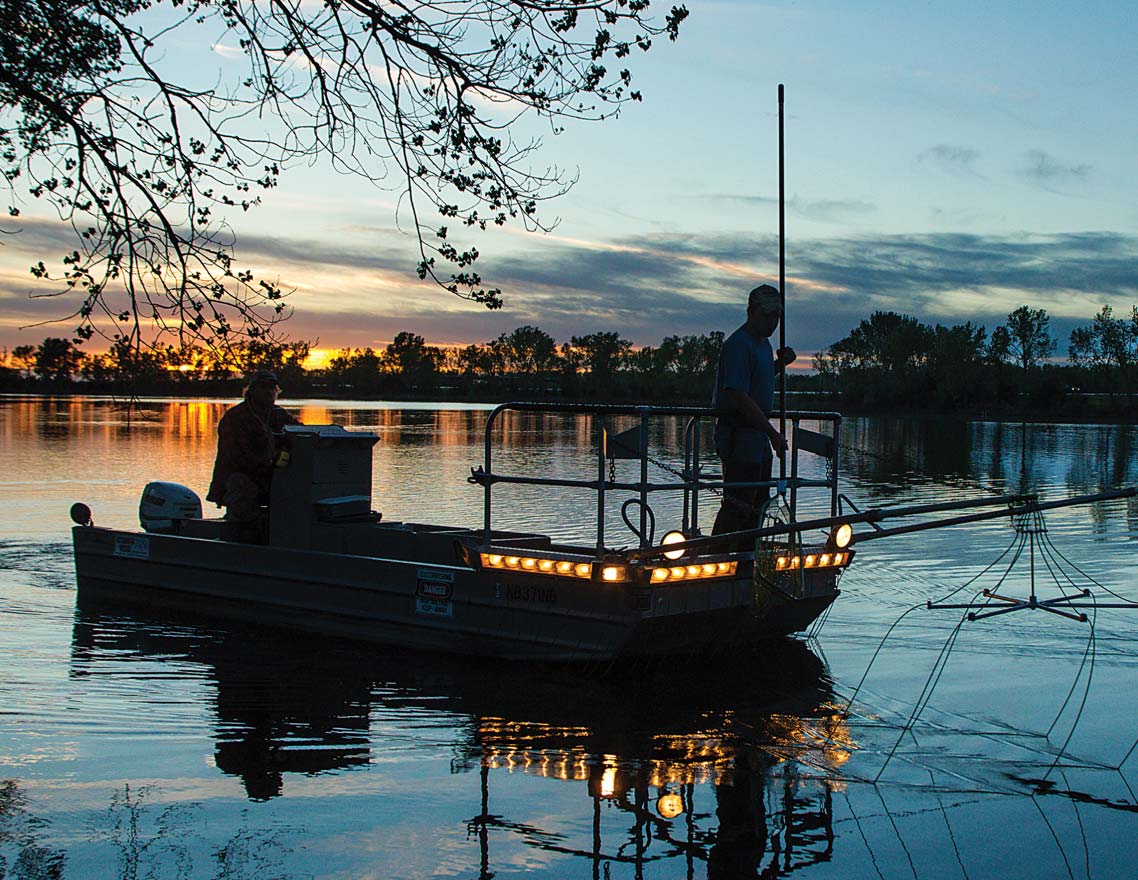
136	744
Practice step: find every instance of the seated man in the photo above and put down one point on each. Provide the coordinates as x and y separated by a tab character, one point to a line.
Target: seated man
247	449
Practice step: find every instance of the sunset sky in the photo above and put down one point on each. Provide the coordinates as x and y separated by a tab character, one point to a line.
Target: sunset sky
948	161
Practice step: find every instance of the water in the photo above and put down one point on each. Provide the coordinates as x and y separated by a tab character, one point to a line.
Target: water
139	744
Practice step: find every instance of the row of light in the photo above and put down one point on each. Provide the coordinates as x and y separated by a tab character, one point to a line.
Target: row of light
812	560
563	567
695	571
608	572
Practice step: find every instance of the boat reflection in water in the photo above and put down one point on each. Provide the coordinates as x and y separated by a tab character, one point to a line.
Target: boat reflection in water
724	770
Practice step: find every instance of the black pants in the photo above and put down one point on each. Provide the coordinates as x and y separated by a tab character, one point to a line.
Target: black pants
742	506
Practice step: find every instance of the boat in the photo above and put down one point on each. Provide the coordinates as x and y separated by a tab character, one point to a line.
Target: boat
326	561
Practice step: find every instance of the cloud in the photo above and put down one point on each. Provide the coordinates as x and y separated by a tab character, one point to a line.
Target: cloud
822	210
1050	173
953	159
361	290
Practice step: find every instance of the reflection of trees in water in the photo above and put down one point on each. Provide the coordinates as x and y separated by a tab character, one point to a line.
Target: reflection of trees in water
23	853
887	456
153	842
149	841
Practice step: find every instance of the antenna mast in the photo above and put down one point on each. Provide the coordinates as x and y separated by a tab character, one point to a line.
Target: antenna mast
781	290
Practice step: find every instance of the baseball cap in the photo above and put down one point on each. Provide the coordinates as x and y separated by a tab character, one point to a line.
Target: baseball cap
766	299
264	376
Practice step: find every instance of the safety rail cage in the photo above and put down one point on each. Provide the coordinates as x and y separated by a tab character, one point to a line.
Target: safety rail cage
693	479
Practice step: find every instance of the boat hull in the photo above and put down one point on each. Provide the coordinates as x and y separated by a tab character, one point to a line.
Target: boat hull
434	603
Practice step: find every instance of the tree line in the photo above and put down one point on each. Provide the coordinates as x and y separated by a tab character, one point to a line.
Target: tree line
888	361
892	360
527	361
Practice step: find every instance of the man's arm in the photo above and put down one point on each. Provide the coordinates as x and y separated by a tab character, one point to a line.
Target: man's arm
752	415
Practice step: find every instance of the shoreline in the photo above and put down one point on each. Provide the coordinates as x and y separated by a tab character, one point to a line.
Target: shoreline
1081	409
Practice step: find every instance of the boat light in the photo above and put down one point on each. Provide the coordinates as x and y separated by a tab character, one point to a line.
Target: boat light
673	537
669	805
840	536
786	562
81	514
537	565
693	572
613	573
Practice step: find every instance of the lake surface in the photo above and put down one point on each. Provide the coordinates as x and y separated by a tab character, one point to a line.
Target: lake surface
136	744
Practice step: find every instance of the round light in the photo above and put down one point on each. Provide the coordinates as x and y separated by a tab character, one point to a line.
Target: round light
668	806
564	567
494	559
841	536
659	574
583	570
529	563
545	565
673	537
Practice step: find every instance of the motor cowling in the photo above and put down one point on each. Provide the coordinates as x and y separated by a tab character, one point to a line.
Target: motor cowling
165	505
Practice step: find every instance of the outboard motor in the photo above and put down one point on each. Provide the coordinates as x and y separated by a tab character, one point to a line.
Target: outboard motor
165	505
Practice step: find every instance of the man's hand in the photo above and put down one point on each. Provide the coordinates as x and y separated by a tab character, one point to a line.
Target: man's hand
778	442
785	358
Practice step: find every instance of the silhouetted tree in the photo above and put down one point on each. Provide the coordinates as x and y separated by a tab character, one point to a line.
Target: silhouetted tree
526	350
1108	345
146	159
956	365
357	369
1025	339
56	360
23	358
880	360
601	354
412	359
476	360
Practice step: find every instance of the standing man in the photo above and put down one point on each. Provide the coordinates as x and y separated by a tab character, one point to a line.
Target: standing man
745	435
247	449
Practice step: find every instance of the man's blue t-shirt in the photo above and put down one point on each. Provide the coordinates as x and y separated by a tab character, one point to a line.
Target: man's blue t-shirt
745	364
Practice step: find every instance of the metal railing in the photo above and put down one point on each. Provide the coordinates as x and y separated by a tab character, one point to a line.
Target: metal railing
632	444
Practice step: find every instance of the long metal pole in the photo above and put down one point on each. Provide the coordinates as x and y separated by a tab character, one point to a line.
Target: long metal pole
781	289
880	513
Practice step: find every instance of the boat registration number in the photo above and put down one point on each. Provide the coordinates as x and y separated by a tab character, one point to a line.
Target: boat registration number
434	592
132	546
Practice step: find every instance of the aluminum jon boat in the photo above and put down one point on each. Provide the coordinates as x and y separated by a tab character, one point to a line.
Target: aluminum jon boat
322	559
